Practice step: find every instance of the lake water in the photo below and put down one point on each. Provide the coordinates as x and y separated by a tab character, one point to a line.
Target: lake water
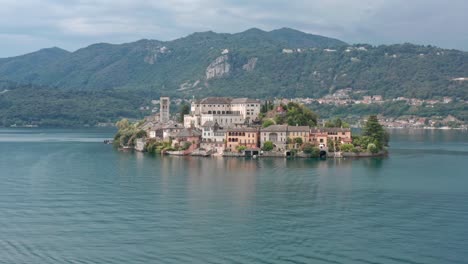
67	198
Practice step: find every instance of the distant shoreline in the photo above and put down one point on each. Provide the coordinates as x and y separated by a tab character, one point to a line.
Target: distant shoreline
429	128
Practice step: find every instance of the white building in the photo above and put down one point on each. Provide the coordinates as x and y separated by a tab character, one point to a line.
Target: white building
227	112
213	137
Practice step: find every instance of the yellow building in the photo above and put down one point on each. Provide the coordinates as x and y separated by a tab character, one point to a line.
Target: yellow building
321	136
242	136
301	132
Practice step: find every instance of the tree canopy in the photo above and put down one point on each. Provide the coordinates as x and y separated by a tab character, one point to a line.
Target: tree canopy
376	133
297	114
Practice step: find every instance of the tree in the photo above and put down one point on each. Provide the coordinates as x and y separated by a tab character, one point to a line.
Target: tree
298	141
241	148
140	134
184	110
299	115
122	124
268	123
336	123
372	148
268	146
186	145
375	131
362	141
310	149
347	147
333	145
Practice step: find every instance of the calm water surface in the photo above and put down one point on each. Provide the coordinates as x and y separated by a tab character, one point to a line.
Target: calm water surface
67	198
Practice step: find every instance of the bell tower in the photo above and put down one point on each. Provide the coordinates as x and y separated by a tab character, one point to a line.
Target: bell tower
164	113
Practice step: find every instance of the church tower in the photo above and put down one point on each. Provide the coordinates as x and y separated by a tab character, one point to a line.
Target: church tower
164	114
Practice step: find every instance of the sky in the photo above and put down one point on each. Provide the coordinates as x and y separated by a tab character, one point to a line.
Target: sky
29	25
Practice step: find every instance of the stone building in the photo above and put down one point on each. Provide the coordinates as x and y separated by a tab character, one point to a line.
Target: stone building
164	111
278	134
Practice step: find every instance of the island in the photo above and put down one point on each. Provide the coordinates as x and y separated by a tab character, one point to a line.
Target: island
244	127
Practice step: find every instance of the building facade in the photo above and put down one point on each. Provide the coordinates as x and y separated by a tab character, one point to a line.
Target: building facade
278	134
242	136
213	137
301	132
227	112
189	135
321	136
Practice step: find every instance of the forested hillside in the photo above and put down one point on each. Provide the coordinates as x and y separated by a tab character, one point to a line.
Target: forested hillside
255	63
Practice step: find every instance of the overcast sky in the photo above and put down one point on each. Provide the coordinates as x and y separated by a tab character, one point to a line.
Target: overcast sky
29	25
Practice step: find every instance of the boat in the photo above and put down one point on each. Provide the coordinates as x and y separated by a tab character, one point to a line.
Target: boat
108	141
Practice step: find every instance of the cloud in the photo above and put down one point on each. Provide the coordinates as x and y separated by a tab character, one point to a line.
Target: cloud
76	23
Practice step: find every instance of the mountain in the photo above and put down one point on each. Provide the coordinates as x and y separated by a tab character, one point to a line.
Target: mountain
25	67
282	62
254	63
147	63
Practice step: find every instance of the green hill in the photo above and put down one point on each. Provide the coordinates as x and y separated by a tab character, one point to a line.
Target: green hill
145	63
255	63
283	62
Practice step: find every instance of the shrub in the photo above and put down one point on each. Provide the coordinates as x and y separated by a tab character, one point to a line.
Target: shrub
141	134
372	148
268	123
268	146
241	148
298	140
186	145
311	150
347	147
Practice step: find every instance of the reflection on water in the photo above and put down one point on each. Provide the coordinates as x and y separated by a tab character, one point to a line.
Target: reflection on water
83	202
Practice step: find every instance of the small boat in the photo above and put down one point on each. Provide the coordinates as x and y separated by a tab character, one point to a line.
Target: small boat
125	148
108	141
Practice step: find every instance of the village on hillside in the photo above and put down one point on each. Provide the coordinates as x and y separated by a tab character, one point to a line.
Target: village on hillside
222	126
349	97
